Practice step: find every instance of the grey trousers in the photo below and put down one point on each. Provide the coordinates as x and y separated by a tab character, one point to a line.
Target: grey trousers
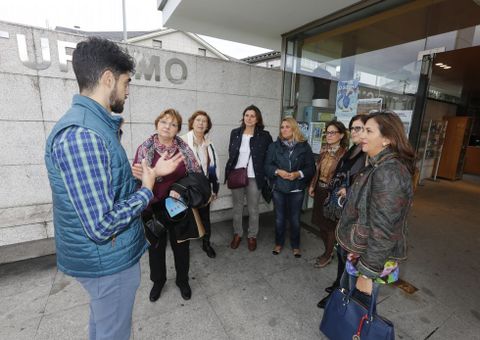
253	198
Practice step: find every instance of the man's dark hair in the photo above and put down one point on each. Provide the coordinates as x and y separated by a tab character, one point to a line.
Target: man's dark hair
94	56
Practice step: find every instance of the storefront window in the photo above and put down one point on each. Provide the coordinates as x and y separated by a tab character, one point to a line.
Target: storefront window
374	63
382	53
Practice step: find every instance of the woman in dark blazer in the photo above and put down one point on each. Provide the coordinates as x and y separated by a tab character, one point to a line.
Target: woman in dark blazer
290	166
247	149
347	169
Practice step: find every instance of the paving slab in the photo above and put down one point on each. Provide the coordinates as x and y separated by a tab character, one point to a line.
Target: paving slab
71	324
256	295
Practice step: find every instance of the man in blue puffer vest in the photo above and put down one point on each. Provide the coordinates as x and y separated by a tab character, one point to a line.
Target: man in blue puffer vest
96	205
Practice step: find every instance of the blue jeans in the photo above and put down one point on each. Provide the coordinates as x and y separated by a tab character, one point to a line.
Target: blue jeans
287	207
111	303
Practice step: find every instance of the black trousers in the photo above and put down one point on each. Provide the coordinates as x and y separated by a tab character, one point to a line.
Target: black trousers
342	260
205	217
181	255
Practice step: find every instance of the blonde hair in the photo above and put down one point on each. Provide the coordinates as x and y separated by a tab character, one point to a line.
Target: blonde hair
297	133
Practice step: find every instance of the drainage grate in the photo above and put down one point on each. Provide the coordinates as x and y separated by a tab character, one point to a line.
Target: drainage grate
405	286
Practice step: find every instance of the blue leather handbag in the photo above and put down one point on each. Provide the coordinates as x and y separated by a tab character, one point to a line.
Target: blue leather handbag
347	318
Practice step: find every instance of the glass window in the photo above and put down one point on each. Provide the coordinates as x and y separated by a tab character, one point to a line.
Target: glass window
351	66
382	53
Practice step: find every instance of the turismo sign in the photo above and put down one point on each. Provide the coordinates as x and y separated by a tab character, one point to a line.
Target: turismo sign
148	67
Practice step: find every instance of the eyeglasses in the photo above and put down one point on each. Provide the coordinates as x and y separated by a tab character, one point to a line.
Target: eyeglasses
357	129
168	124
331	133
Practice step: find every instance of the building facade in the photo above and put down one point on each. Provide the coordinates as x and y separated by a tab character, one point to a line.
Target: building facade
36	87
417	58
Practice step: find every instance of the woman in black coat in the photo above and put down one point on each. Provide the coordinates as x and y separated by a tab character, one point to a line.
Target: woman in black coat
348	167
290	166
247	149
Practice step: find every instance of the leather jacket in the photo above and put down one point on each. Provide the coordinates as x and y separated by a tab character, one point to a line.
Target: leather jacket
374	219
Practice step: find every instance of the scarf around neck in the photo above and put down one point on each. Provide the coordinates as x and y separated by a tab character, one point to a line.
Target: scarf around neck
289	144
332	150
148	148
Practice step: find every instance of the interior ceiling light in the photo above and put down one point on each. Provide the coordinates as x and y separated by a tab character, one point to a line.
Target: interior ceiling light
439	64
447	67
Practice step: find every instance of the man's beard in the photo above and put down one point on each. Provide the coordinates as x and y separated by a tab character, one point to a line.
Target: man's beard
116	104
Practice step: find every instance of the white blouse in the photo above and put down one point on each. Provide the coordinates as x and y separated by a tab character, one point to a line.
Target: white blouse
244	156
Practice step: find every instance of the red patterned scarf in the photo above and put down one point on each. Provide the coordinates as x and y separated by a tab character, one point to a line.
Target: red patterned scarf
152	145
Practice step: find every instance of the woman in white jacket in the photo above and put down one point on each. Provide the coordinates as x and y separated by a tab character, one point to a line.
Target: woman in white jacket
199	124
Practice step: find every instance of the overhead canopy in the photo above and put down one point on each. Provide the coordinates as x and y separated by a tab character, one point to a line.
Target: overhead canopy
258	23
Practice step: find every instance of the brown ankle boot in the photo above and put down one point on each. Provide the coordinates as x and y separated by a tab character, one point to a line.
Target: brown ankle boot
252	243
235	241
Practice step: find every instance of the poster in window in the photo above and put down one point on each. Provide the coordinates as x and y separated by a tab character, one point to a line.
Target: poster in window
347	97
304	128
347	100
316	134
406	118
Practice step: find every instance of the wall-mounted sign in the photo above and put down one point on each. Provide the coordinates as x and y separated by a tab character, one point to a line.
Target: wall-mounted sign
148	67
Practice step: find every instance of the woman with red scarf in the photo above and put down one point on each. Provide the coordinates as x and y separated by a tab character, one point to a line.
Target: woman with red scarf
166	142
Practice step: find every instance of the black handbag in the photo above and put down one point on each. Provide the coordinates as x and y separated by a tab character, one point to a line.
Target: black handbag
194	189
333	204
347	318
186	225
154	228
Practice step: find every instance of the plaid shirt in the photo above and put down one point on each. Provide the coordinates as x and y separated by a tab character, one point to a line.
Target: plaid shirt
84	163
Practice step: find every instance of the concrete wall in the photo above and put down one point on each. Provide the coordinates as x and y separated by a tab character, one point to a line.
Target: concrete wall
32	100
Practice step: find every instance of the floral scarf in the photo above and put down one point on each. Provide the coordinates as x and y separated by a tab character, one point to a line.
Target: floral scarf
148	148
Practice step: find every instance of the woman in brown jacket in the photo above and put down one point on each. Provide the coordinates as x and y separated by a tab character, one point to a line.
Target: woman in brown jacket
337	144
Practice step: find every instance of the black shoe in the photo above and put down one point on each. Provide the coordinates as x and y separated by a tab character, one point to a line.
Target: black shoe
321	304
185	290
207	248
334	286
156	291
